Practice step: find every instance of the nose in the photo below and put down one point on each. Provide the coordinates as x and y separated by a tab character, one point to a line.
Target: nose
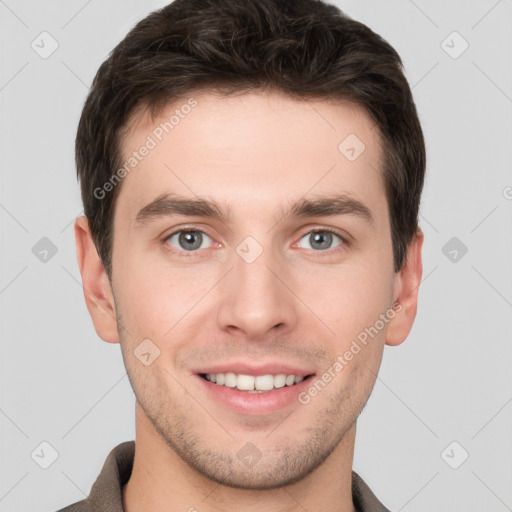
256	302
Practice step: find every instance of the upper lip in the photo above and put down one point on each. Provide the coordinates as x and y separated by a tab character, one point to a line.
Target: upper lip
246	368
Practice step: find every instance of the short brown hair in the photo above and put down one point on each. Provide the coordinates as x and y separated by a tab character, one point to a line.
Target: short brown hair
304	48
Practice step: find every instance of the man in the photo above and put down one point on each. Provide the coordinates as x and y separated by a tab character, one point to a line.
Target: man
251	174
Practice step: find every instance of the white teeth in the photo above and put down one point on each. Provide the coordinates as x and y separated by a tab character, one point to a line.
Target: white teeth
258	384
279	380
264	382
230	380
245	382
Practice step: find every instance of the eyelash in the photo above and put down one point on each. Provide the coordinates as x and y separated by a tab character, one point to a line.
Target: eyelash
190	254
183	253
344	241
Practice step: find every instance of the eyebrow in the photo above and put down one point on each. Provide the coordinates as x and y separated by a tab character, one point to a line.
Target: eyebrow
167	205
331	206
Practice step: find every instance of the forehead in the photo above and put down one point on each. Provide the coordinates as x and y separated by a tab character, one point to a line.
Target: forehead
251	150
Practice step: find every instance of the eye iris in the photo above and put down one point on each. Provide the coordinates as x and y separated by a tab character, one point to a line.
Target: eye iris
190	240
321	240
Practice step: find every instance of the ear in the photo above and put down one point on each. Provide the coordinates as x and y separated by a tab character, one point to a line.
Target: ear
96	285
407	283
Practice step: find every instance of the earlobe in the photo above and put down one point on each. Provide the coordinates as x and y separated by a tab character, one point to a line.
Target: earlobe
406	293
96	285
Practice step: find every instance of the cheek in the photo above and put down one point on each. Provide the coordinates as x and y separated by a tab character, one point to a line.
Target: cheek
353	302
156	300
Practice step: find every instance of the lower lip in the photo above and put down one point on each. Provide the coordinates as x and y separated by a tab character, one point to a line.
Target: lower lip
255	404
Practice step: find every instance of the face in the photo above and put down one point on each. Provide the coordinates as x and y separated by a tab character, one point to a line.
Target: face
253	238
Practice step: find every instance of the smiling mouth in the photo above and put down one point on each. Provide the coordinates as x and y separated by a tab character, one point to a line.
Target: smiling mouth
254	383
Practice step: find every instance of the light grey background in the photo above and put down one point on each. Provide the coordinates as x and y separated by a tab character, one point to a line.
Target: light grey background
450	381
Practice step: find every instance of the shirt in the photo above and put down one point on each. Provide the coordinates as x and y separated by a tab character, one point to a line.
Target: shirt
107	491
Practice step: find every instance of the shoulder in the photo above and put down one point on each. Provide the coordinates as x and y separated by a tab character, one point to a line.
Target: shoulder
363	497
79	506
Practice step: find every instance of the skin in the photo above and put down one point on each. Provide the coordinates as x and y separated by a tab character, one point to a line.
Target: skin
258	153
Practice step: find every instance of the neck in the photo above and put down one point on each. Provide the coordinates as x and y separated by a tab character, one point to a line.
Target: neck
162	481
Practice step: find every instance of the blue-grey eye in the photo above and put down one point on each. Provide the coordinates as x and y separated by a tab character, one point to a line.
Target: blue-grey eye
320	240
189	240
